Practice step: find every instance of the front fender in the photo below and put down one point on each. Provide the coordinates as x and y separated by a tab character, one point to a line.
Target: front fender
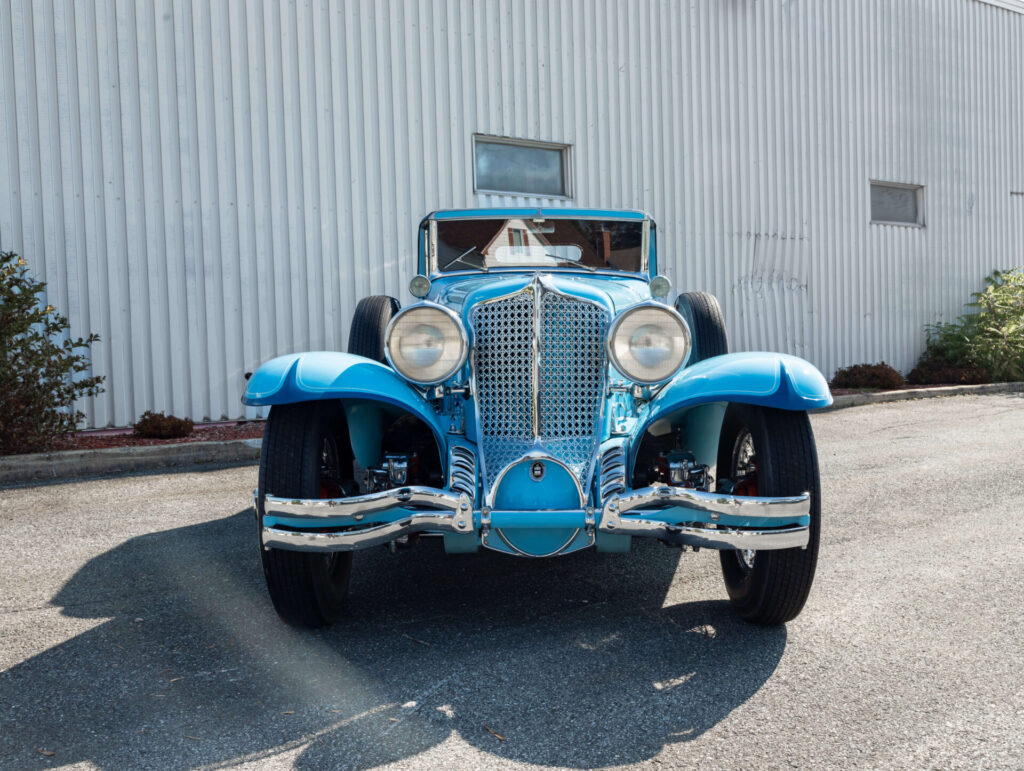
765	379
301	377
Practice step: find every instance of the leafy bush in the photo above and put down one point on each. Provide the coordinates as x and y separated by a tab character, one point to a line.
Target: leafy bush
41	368
156	425
879	375
982	346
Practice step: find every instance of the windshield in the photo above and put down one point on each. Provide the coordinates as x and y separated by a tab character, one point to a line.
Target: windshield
483	244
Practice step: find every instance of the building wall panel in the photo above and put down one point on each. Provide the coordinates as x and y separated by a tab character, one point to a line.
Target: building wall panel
208	185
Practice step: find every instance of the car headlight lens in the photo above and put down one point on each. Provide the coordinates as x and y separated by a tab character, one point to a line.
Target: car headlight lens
425	344
648	344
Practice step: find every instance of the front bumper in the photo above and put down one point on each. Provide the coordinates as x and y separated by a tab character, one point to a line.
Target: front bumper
723	521
674	514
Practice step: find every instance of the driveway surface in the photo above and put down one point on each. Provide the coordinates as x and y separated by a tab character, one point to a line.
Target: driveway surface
135	631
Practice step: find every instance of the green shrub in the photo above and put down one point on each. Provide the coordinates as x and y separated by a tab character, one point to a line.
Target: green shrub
156	425
879	375
41	368
982	346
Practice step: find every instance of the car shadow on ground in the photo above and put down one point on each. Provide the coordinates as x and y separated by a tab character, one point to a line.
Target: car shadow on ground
571	661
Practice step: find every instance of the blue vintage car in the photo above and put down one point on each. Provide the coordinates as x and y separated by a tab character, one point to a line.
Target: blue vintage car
544	395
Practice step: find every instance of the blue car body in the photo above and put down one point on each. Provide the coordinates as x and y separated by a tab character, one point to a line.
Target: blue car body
537	495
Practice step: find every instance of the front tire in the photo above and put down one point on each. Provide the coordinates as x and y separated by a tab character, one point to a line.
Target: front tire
369	323
305	454
770	452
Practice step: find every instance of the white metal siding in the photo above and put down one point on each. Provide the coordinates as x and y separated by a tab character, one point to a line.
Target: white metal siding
208	185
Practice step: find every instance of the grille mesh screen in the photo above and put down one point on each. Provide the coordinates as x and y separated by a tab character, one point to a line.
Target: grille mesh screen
571	378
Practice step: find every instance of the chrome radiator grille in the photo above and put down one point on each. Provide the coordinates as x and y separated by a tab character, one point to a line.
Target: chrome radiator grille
556	403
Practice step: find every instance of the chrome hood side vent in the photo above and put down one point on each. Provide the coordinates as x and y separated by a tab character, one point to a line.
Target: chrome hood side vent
613	471
462	470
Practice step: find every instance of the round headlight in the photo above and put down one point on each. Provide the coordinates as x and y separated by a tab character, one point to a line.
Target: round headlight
426	344
419	286
649	343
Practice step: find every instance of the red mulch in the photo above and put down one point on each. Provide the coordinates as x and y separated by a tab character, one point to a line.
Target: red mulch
210	432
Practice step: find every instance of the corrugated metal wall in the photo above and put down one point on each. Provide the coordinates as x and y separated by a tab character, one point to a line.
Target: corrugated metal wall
208	185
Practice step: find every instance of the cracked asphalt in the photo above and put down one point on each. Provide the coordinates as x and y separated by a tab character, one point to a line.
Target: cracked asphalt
135	631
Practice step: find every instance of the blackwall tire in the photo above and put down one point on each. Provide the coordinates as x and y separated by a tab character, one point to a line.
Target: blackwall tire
307	589
707	325
771	587
369	322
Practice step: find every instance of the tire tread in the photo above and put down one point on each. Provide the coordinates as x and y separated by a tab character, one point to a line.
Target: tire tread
777	589
369	322
707	325
290	467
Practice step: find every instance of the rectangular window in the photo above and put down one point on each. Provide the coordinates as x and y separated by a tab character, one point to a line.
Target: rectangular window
520	166
894	203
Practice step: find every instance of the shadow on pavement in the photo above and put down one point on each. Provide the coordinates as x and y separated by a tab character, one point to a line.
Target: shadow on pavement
573	661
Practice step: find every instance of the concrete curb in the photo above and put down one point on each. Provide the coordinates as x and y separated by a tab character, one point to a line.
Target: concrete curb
67	464
856	400
47	466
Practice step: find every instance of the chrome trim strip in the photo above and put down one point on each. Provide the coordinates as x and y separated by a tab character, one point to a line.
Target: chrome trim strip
538	289
293	540
547	269
358	506
520	553
715	504
645	249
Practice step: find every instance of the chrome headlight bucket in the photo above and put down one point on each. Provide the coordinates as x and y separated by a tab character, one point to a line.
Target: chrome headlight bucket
648	343
426	343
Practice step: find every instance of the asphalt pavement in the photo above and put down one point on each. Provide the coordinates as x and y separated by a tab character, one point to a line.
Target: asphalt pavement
135	631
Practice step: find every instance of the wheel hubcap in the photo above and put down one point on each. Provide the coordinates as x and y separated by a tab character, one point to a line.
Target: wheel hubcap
744	475
330	487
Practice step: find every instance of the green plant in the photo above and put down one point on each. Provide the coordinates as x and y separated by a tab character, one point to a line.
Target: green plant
879	375
984	345
156	425
42	369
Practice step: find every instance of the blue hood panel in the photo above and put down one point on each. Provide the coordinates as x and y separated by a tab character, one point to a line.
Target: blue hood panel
460	293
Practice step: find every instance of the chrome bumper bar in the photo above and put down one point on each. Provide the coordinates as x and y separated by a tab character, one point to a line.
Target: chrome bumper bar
338	524
723	510
447	512
358	506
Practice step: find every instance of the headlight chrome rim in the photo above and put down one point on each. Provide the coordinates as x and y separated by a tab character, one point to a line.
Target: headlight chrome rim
672	314
462	337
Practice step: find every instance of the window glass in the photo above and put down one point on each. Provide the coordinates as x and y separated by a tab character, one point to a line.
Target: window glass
527	168
895	203
531	242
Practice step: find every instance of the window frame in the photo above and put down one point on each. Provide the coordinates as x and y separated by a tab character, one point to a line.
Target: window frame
564	149
1016	6
919	195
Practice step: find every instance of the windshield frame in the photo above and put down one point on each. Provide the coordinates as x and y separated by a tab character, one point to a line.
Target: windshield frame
434	272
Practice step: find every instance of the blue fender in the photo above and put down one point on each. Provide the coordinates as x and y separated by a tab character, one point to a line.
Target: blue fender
301	377
765	379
